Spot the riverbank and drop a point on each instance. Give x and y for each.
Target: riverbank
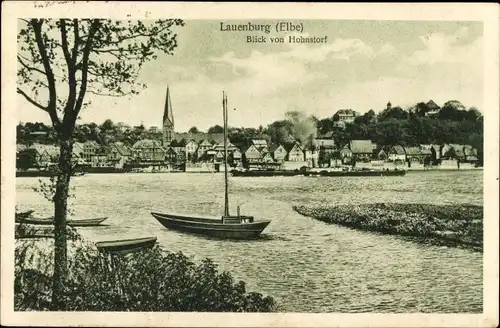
(448, 225)
(145, 281)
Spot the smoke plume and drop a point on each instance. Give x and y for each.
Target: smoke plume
(303, 128)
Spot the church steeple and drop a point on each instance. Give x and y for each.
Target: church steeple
(167, 113)
(168, 120)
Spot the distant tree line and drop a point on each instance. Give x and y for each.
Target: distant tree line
(451, 124)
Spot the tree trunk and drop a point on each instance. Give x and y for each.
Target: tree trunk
(60, 213)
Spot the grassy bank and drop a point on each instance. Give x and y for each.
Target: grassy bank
(149, 280)
(450, 225)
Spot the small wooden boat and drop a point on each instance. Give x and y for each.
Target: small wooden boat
(70, 222)
(228, 226)
(231, 227)
(126, 245)
(24, 215)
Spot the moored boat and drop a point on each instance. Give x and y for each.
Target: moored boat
(266, 173)
(231, 227)
(24, 215)
(126, 245)
(228, 226)
(363, 173)
(70, 222)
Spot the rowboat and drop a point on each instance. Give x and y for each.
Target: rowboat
(126, 245)
(71, 223)
(24, 215)
(228, 226)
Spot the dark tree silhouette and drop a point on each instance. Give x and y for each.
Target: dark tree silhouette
(60, 63)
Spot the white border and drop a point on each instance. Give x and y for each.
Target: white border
(488, 13)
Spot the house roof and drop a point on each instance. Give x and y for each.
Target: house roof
(361, 146)
(432, 105)
(122, 149)
(220, 146)
(91, 143)
(289, 146)
(252, 155)
(426, 151)
(328, 135)
(20, 147)
(469, 151)
(200, 136)
(146, 143)
(205, 143)
(346, 112)
(398, 149)
(259, 142)
(459, 149)
(50, 149)
(415, 151)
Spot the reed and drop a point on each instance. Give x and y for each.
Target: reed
(450, 225)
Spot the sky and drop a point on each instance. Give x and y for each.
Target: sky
(362, 66)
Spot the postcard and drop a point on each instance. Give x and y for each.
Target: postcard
(249, 164)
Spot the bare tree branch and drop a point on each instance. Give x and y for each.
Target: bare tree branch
(64, 39)
(51, 108)
(76, 36)
(86, 53)
(71, 71)
(31, 100)
(97, 93)
(29, 68)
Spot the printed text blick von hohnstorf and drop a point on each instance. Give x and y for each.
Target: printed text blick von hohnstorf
(259, 33)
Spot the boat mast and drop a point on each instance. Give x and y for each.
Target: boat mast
(226, 191)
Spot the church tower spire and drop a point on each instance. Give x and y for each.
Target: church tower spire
(168, 120)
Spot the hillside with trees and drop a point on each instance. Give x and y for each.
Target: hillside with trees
(452, 124)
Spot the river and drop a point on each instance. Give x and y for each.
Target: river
(307, 265)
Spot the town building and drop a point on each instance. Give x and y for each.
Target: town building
(433, 108)
(119, 154)
(361, 150)
(295, 153)
(345, 115)
(251, 156)
(397, 153)
(415, 154)
(148, 151)
(89, 149)
(278, 152)
(325, 141)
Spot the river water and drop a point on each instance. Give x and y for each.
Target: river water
(305, 264)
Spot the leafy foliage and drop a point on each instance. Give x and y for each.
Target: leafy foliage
(26, 159)
(149, 280)
(61, 61)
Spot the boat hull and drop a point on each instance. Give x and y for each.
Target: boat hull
(357, 173)
(211, 227)
(24, 215)
(71, 223)
(126, 245)
(264, 173)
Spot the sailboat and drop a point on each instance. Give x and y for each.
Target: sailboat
(228, 226)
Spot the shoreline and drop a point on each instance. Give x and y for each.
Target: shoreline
(457, 226)
(39, 174)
